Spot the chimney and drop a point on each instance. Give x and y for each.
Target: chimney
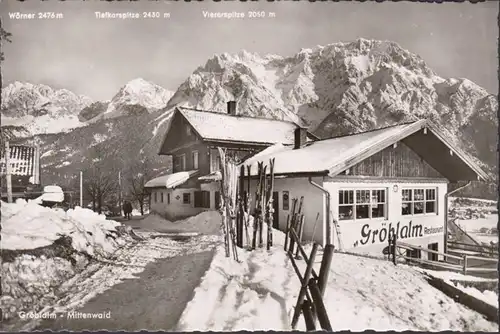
(300, 137)
(231, 108)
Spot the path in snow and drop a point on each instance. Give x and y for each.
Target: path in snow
(153, 301)
(149, 298)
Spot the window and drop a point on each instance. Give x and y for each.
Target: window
(202, 199)
(418, 201)
(362, 204)
(156, 197)
(195, 159)
(286, 200)
(188, 131)
(214, 161)
(168, 198)
(186, 198)
(161, 197)
(180, 162)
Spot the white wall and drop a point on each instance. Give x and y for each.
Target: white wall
(370, 235)
(314, 203)
(176, 209)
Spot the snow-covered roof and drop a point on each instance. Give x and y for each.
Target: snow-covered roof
(334, 155)
(21, 160)
(170, 180)
(216, 126)
(214, 176)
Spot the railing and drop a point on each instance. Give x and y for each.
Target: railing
(310, 300)
(462, 263)
(486, 250)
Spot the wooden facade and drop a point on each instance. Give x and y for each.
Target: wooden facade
(191, 152)
(394, 162)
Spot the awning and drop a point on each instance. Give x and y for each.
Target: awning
(215, 176)
(170, 180)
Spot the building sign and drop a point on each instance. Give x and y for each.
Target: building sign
(402, 230)
(368, 232)
(286, 200)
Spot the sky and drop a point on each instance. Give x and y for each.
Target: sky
(95, 57)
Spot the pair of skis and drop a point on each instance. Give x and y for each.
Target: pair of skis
(264, 206)
(228, 201)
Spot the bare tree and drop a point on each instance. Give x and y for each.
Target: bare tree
(4, 36)
(99, 186)
(137, 177)
(99, 182)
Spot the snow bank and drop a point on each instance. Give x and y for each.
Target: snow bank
(207, 222)
(43, 247)
(260, 294)
(27, 225)
(459, 281)
(486, 296)
(453, 276)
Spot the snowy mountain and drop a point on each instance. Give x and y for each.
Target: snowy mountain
(335, 89)
(346, 87)
(43, 110)
(40, 108)
(136, 97)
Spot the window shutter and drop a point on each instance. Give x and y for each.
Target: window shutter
(206, 199)
(195, 159)
(217, 200)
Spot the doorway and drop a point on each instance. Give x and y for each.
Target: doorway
(276, 208)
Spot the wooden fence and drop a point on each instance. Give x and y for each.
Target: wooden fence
(463, 264)
(310, 300)
(487, 251)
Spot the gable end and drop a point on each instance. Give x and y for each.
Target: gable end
(394, 162)
(179, 134)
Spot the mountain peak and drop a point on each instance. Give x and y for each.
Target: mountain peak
(137, 96)
(40, 108)
(139, 82)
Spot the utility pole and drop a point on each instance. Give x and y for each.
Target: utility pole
(120, 190)
(8, 176)
(81, 189)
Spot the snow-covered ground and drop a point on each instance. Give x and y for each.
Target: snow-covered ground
(260, 293)
(35, 281)
(43, 247)
(453, 278)
(487, 296)
(136, 212)
(474, 225)
(207, 222)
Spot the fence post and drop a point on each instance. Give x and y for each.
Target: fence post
(319, 305)
(324, 270)
(8, 176)
(389, 247)
(305, 282)
(394, 240)
(308, 316)
(465, 264)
